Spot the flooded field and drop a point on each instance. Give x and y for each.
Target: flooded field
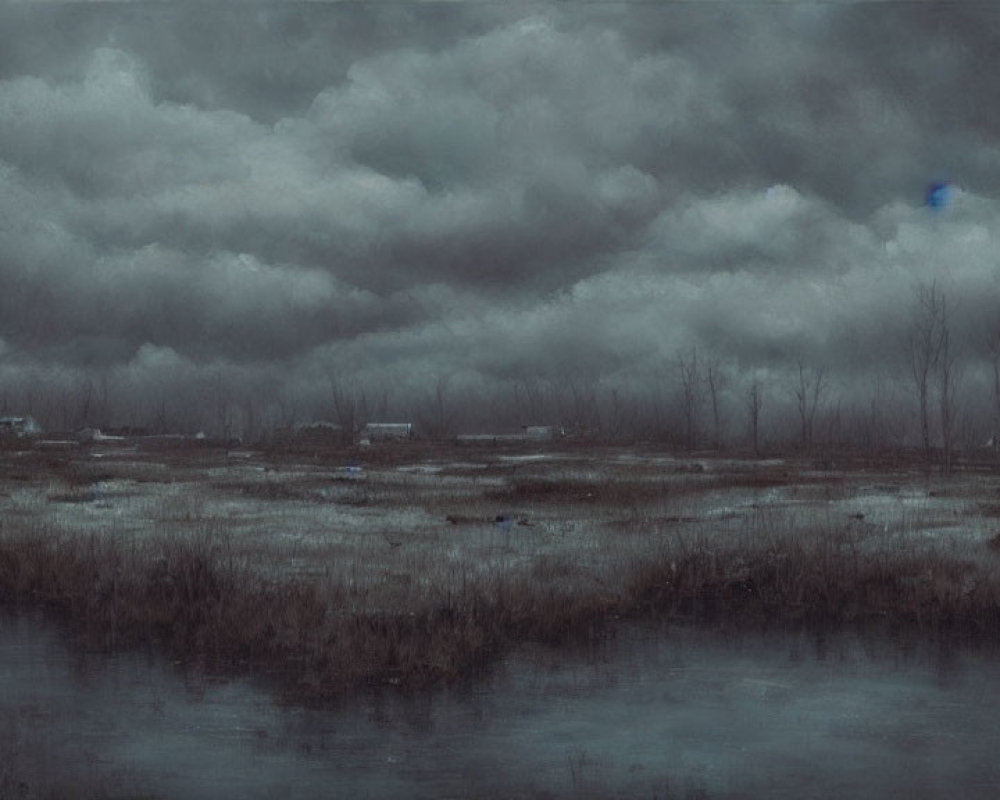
(473, 509)
(454, 622)
(654, 713)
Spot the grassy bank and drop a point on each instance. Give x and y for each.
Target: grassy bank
(315, 637)
(822, 579)
(202, 603)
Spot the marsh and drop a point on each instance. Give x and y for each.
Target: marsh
(699, 601)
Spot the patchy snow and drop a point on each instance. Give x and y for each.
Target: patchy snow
(356, 520)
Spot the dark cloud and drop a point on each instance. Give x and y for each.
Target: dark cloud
(404, 191)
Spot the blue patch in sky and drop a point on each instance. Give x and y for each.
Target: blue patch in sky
(938, 195)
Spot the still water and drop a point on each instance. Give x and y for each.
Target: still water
(654, 713)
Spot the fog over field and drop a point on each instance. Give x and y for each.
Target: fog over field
(486, 215)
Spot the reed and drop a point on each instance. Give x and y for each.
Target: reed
(320, 636)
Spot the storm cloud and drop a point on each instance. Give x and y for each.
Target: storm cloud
(410, 194)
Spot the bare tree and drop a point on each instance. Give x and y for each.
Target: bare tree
(808, 394)
(874, 427)
(29, 398)
(438, 419)
(948, 389)
(101, 410)
(531, 402)
(691, 394)
(753, 401)
(374, 405)
(656, 403)
(285, 411)
(924, 346)
(993, 345)
(716, 380)
(584, 408)
(84, 400)
(223, 407)
(350, 406)
(612, 426)
(161, 424)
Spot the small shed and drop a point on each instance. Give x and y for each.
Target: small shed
(18, 427)
(88, 435)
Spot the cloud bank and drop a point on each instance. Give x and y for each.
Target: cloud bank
(274, 196)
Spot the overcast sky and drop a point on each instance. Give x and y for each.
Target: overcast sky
(490, 190)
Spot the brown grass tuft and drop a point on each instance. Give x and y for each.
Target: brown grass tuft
(319, 638)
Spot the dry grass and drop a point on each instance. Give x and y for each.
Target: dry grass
(324, 613)
(824, 579)
(320, 638)
(315, 638)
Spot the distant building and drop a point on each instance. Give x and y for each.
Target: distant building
(529, 433)
(387, 431)
(88, 435)
(18, 427)
(481, 438)
(542, 431)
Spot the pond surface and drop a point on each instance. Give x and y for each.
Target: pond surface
(653, 713)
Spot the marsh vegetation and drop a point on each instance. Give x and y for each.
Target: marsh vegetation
(425, 567)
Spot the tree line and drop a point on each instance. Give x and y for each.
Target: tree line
(942, 395)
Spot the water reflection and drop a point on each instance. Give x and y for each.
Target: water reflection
(653, 713)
